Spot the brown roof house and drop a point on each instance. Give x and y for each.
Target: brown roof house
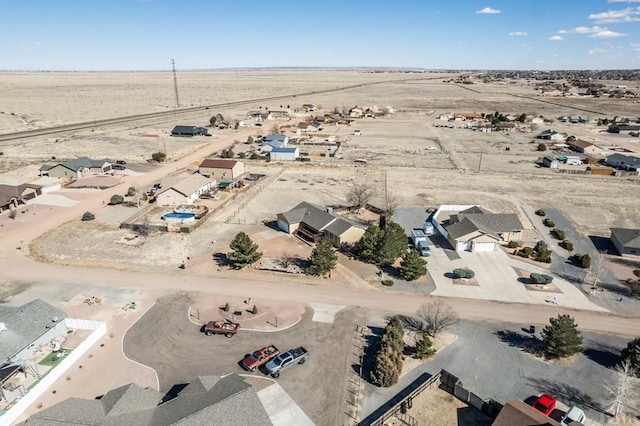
(312, 223)
(227, 400)
(475, 229)
(626, 240)
(185, 191)
(13, 195)
(584, 147)
(221, 169)
(518, 413)
(76, 168)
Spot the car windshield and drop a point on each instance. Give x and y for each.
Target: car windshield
(541, 406)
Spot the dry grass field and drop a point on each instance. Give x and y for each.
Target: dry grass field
(460, 167)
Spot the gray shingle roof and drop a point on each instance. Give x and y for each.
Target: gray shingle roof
(462, 228)
(488, 223)
(628, 237)
(339, 226)
(25, 324)
(313, 216)
(225, 400)
(82, 162)
(8, 192)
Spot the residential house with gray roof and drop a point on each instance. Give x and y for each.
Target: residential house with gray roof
(185, 191)
(626, 240)
(313, 222)
(13, 195)
(208, 400)
(76, 168)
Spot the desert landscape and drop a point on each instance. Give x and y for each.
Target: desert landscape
(402, 149)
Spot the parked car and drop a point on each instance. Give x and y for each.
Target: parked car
(283, 361)
(122, 162)
(226, 327)
(574, 414)
(260, 357)
(118, 167)
(545, 403)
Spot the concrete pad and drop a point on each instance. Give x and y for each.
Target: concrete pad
(282, 410)
(270, 234)
(325, 313)
(53, 200)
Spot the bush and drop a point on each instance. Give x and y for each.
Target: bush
(424, 348)
(542, 147)
(567, 245)
(87, 216)
(540, 247)
(131, 191)
(1, 153)
(158, 157)
(527, 251)
(254, 156)
(557, 233)
(242, 155)
(540, 212)
(254, 310)
(521, 253)
(512, 244)
(548, 223)
(463, 273)
(226, 307)
(582, 260)
(388, 283)
(541, 278)
(116, 199)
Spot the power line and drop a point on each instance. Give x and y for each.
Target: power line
(175, 83)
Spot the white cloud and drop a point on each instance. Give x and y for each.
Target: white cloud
(596, 50)
(623, 16)
(583, 30)
(488, 10)
(624, 1)
(635, 46)
(607, 34)
(518, 33)
(556, 38)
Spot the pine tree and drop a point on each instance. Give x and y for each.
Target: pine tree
(245, 252)
(412, 266)
(561, 338)
(632, 353)
(387, 364)
(424, 348)
(323, 258)
(367, 247)
(392, 244)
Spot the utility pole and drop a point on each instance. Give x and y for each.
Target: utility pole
(480, 162)
(175, 83)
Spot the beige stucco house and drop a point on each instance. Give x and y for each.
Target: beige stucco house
(76, 168)
(13, 195)
(186, 191)
(221, 169)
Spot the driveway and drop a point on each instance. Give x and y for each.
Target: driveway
(165, 340)
(489, 360)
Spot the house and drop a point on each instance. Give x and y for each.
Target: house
(189, 131)
(221, 169)
(505, 127)
(309, 107)
(23, 329)
(626, 240)
(583, 147)
(551, 162)
(356, 112)
(185, 191)
(207, 400)
(519, 413)
(276, 141)
(623, 162)
(312, 223)
(13, 195)
(279, 114)
(76, 168)
(284, 154)
(552, 135)
(473, 228)
(464, 116)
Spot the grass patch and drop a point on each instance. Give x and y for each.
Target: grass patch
(54, 358)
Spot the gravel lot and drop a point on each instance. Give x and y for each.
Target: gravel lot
(167, 341)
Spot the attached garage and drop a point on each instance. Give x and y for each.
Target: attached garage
(483, 246)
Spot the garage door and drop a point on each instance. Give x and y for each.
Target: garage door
(484, 247)
(463, 245)
(282, 225)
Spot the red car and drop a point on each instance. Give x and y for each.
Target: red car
(545, 403)
(260, 357)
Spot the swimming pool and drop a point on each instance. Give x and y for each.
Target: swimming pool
(178, 215)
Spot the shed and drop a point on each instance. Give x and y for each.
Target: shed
(284, 154)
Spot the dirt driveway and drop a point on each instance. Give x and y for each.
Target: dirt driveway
(166, 340)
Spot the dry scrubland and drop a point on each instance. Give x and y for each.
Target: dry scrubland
(396, 144)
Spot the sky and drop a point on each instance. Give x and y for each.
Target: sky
(111, 35)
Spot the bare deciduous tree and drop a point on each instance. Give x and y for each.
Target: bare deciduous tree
(359, 194)
(436, 317)
(598, 266)
(391, 204)
(623, 387)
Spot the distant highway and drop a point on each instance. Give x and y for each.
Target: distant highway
(45, 131)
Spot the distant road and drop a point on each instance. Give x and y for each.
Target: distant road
(181, 111)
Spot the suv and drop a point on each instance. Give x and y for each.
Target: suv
(545, 403)
(574, 414)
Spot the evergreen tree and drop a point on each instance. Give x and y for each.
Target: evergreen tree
(392, 244)
(387, 364)
(412, 266)
(323, 258)
(367, 247)
(424, 348)
(561, 338)
(245, 252)
(632, 353)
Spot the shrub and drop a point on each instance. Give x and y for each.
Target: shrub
(548, 223)
(158, 157)
(226, 307)
(527, 251)
(540, 212)
(254, 310)
(541, 278)
(131, 191)
(424, 348)
(512, 244)
(116, 199)
(521, 253)
(558, 233)
(463, 273)
(242, 155)
(582, 260)
(542, 147)
(88, 216)
(1, 153)
(388, 283)
(567, 245)
(254, 156)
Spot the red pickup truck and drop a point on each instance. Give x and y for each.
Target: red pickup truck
(227, 328)
(260, 357)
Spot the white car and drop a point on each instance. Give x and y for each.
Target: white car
(432, 148)
(574, 414)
